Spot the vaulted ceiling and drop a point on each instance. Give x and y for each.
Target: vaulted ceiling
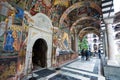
(70, 15)
(73, 16)
(82, 17)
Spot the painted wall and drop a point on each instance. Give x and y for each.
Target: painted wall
(12, 36)
(17, 38)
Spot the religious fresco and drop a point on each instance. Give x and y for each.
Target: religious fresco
(18, 10)
(8, 68)
(19, 3)
(13, 36)
(45, 6)
(10, 51)
(60, 38)
(14, 22)
(65, 39)
(54, 17)
(8, 46)
(38, 6)
(13, 32)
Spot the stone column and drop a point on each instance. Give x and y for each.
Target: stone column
(76, 42)
(105, 42)
(112, 49)
(69, 42)
(72, 42)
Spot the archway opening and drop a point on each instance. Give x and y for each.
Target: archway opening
(39, 53)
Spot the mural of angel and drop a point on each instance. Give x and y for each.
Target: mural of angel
(9, 42)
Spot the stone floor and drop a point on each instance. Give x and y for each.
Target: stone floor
(75, 70)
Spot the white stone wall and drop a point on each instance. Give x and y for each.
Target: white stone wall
(37, 31)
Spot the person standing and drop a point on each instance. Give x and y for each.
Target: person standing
(99, 54)
(87, 54)
(82, 54)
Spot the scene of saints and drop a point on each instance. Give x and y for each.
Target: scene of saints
(38, 6)
(13, 38)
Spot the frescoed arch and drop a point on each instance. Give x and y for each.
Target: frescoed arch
(77, 5)
(85, 18)
(88, 28)
(82, 33)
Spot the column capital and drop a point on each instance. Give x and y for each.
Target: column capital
(109, 20)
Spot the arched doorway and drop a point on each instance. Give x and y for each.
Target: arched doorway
(39, 53)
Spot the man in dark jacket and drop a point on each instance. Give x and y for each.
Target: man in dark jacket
(99, 54)
(82, 54)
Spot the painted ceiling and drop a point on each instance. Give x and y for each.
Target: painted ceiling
(81, 16)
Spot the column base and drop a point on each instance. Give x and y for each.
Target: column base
(113, 63)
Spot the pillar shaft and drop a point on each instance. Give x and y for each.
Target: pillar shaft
(112, 47)
(111, 42)
(76, 42)
(72, 43)
(106, 43)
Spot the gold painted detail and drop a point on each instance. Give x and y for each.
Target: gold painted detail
(19, 28)
(9, 71)
(62, 2)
